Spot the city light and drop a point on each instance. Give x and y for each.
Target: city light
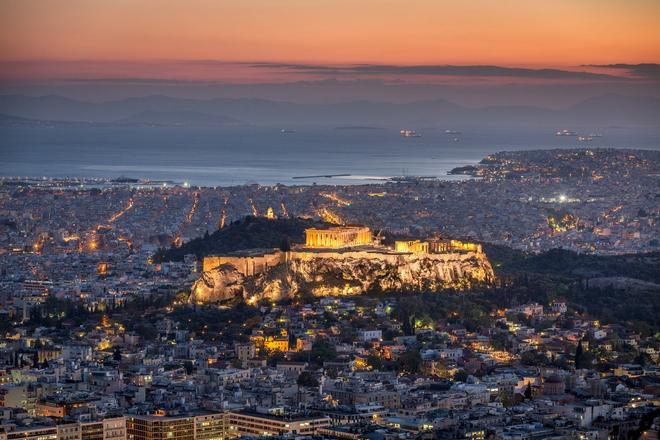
(329, 220)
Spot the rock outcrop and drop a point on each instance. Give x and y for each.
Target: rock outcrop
(219, 284)
(410, 272)
(347, 273)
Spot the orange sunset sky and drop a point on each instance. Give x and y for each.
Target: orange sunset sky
(39, 37)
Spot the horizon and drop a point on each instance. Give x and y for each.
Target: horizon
(467, 85)
(231, 81)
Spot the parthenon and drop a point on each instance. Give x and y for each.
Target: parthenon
(338, 237)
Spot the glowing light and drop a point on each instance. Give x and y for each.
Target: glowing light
(118, 214)
(223, 218)
(253, 207)
(340, 201)
(330, 216)
(223, 214)
(193, 208)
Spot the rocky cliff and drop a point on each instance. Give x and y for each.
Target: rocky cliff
(219, 284)
(346, 273)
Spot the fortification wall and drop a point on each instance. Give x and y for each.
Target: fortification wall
(247, 265)
(388, 257)
(349, 272)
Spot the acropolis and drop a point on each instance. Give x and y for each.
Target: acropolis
(349, 251)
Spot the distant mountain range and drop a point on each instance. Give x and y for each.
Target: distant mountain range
(183, 118)
(164, 110)
(146, 118)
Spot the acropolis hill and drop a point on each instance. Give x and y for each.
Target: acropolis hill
(342, 260)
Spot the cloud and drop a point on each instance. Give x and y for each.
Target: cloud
(644, 70)
(437, 70)
(211, 71)
(132, 80)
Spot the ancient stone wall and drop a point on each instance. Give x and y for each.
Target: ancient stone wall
(247, 265)
(350, 272)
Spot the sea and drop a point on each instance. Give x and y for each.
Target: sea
(228, 156)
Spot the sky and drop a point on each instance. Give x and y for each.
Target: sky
(143, 46)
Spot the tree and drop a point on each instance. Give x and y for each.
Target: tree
(375, 362)
(35, 360)
(506, 399)
(146, 331)
(528, 391)
(285, 244)
(275, 357)
(579, 356)
(499, 340)
(293, 341)
(461, 376)
(643, 359)
(307, 379)
(116, 355)
(532, 357)
(409, 325)
(322, 351)
(410, 361)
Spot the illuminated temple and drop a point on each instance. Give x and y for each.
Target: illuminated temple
(338, 237)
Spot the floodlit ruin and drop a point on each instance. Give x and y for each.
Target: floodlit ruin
(344, 260)
(338, 237)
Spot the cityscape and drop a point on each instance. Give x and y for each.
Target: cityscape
(204, 235)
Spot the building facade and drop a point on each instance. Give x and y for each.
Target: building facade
(256, 424)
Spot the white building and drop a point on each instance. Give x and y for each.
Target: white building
(369, 335)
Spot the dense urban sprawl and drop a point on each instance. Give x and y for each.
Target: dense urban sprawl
(99, 341)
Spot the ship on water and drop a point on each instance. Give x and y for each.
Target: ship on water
(565, 132)
(287, 131)
(453, 132)
(585, 138)
(124, 179)
(409, 133)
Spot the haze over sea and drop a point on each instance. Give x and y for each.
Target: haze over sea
(258, 154)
